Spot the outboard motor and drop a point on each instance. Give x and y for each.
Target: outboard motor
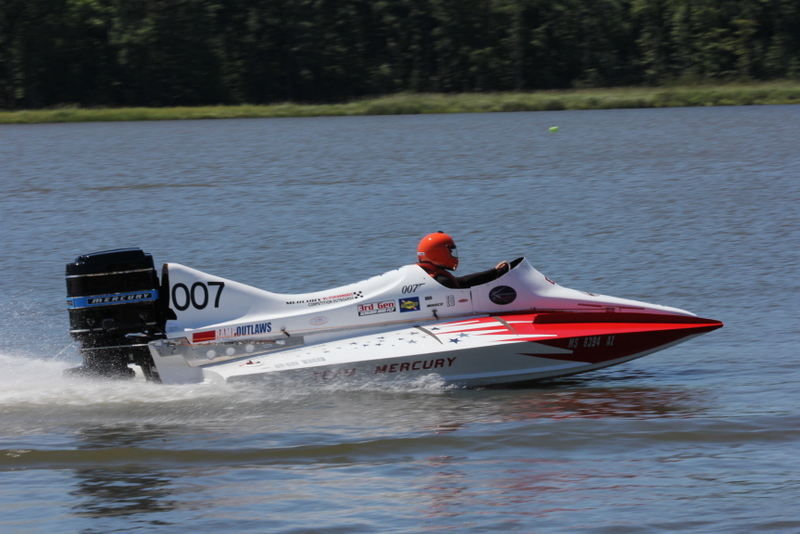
(115, 309)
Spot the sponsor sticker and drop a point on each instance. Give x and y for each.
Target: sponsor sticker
(409, 304)
(502, 295)
(374, 308)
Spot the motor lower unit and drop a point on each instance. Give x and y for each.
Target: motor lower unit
(115, 308)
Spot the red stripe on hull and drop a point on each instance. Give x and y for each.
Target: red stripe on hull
(609, 344)
(593, 324)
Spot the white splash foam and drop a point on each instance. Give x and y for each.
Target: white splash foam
(29, 381)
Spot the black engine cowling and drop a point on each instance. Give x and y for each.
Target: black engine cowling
(115, 309)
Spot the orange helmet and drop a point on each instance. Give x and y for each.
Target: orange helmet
(438, 249)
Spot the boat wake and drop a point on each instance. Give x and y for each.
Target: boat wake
(27, 381)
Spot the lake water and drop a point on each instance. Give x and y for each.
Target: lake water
(693, 208)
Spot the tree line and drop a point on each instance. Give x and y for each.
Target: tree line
(201, 52)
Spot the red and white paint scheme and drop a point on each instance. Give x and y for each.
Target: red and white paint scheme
(403, 325)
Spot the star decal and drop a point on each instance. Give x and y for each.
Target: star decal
(455, 340)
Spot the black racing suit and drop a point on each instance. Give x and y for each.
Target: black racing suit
(447, 279)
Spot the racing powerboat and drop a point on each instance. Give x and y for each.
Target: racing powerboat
(403, 325)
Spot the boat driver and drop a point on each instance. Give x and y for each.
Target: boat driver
(437, 254)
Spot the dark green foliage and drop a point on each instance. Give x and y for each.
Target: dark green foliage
(199, 52)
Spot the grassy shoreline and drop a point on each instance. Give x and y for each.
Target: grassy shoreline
(403, 104)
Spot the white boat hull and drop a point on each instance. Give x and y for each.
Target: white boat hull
(402, 326)
(473, 352)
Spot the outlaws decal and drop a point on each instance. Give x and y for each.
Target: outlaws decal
(232, 331)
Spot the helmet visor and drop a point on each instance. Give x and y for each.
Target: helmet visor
(453, 251)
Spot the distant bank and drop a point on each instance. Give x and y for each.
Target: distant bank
(405, 104)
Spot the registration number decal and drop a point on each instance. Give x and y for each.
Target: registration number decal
(590, 342)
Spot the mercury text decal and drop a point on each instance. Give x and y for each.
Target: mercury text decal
(120, 298)
(332, 299)
(419, 365)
